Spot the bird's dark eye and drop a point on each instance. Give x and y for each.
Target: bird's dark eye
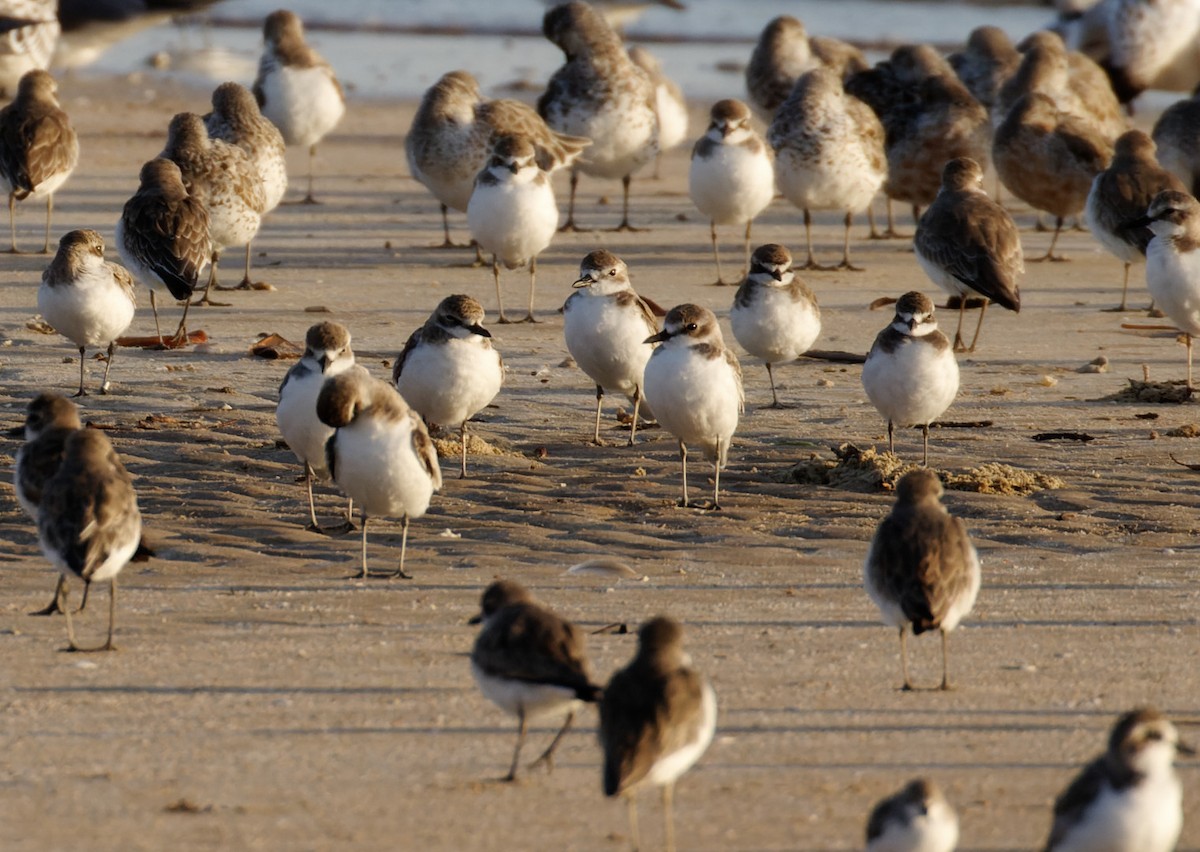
(1154, 735)
(691, 326)
(612, 272)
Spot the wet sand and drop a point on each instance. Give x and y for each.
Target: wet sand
(262, 700)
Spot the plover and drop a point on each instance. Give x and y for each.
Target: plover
(1173, 262)
(694, 385)
(29, 32)
(922, 570)
(453, 131)
(605, 324)
(89, 525)
(669, 104)
(235, 119)
(512, 213)
(784, 51)
(1121, 193)
(296, 88)
(917, 819)
(327, 353)
(162, 237)
(380, 453)
(1177, 135)
(967, 243)
(910, 374)
(829, 152)
(731, 178)
(38, 147)
(530, 663)
(986, 63)
(657, 718)
(224, 177)
(49, 420)
(88, 300)
(775, 315)
(1049, 159)
(602, 95)
(449, 371)
(1128, 799)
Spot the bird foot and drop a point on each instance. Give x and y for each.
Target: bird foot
(1119, 309)
(79, 393)
(450, 244)
(531, 318)
(812, 265)
(849, 267)
(625, 226)
(702, 505)
(503, 320)
(1155, 313)
(776, 406)
(889, 234)
(1053, 258)
(75, 649)
(244, 284)
(547, 758)
(209, 303)
(570, 227)
(49, 609)
(337, 529)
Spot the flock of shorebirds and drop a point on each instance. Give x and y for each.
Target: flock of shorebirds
(919, 127)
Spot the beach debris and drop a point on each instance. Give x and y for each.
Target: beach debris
(38, 324)
(1174, 392)
(152, 341)
(1081, 437)
(604, 566)
(1187, 430)
(276, 347)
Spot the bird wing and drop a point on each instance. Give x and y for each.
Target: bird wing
(982, 251)
(1073, 802)
(426, 452)
(554, 150)
(413, 340)
(50, 147)
(527, 643)
(124, 280)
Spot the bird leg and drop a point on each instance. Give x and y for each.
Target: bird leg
(58, 604)
(746, 247)
(312, 156)
(891, 437)
(634, 835)
(712, 229)
(596, 437)
(1124, 293)
(364, 573)
(180, 337)
(846, 264)
(925, 445)
(959, 346)
(512, 770)
(112, 618)
(978, 325)
(12, 221)
(717, 476)
(499, 301)
(570, 225)
(245, 283)
(668, 796)
(532, 282)
(403, 547)
(112, 349)
(890, 233)
(212, 282)
(683, 462)
(637, 404)
(547, 757)
(811, 263)
(775, 403)
(1190, 386)
(312, 507)
(625, 226)
(1050, 255)
(446, 241)
(945, 666)
(904, 660)
(81, 391)
(462, 434)
(49, 210)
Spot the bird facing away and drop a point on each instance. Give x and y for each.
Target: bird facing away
(162, 237)
(296, 88)
(1121, 193)
(731, 178)
(986, 64)
(512, 213)
(1173, 262)
(775, 315)
(605, 324)
(88, 300)
(1150, 44)
(1049, 159)
(29, 31)
(916, 819)
(968, 244)
(236, 120)
(449, 371)
(922, 570)
(38, 147)
(380, 453)
(657, 717)
(327, 353)
(1177, 135)
(602, 95)
(910, 374)
(49, 420)
(89, 525)
(693, 382)
(452, 135)
(829, 153)
(1128, 799)
(530, 663)
(670, 105)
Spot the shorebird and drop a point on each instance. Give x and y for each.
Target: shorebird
(89, 525)
(621, 13)
(235, 119)
(380, 453)
(829, 152)
(922, 570)
(917, 819)
(1128, 799)
(296, 89)
(910, 374)
(1177, 135)
(605, 324)
(1049, 159)
(1122, 193)
(1147, 44)
(327, 353)
(657, 718)
(602, 95)
(453, 131)
(694, 385)
(88, 300)
(222, 176)
(967, 243)
(38, 147)
(530, 663)
(162, 237)
(29, 31)
(1173, 262)
(785, 51)
(731, 179)
(669, 104)
(449, 371)
(775, 315)
(987, 62)
(512, 213)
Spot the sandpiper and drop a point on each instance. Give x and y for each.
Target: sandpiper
(657, 718)
(1173, 262)
(922, 570)
(1177, 135)
(530, 663)
(917, 819)
(669, 104)
(986, 64)
(1150, 44)
(29, 33)
(449, 371)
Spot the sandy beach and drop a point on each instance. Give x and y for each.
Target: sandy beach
(263, 700)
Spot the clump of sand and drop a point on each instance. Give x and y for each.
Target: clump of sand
(996, 478)
(1175, 391)
(451, 447)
